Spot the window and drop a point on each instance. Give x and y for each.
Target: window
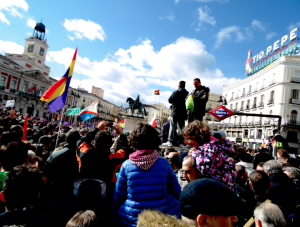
(250, 87)
(252, 134)
(30, 48)
(230, 106)
(294, 116)
(25, 87)
(69, 101)
(41, 92)
(259, 134)
(232, 95)
(242, 106)
(272, 95)
(2, 81)
(254, 102)
(243, 91)
(246, 133)
(236, 106)
(42, 51)
(13, 84)
(295, 94)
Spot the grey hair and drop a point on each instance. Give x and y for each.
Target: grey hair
(269, 215)
(190, 157)
(272, 167)
(31, 156)
(295, 172)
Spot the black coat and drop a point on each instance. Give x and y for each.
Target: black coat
(284, 193)
(177, 99)
(201, 97)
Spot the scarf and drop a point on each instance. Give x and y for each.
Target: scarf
(144, 159)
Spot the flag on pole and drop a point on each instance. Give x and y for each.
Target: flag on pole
(89, 112)
(58, 117)
(153, 122)
(32, 89)
(157, 92)
(56, 95)
(264, 144)
(122, 123)
(37, 92)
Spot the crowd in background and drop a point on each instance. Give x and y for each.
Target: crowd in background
(94, 176)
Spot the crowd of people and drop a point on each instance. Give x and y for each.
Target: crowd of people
(92, 176)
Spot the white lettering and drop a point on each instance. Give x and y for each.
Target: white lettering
(292, 34)
(276, 45)
(261, 55)
(268, 50)
(254, 59)
(283, 39)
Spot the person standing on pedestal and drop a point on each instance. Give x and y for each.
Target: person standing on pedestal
(200, 96)
(178, 114)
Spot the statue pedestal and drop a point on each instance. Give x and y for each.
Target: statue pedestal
(132, 122)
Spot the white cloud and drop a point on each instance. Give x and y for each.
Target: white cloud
(293, 26)
(141, 69)
(229, 33)
(31, 22)
(10, 47)
(87, 29)
(170, 17)
(257, 25)
(204, 16)
(12, 7)
(271, 35)
(71, 37)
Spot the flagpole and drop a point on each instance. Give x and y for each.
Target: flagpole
(61, 117)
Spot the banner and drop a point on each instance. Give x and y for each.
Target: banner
(73, 111)
(10, 103)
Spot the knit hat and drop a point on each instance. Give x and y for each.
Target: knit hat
(207, 196)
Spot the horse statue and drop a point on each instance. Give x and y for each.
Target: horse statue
(136, 105)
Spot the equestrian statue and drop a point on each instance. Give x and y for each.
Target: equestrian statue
(136, 105)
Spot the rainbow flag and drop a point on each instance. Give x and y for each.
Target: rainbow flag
(264, 144)
(37, 91)
(122, 123)
(56, 95)
(157, 92)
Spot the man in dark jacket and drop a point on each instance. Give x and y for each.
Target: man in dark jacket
(200, 96)
(165, 131)
(178, 114)
(283, 191)
(61, 171)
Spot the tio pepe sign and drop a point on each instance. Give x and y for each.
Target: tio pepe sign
(221, 112)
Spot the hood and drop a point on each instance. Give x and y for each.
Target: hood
(150, 218)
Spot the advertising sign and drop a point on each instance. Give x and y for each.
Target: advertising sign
(10, 103)
(287, 45)
(73, 111)
(221, 112)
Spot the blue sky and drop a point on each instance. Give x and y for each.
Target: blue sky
(137, 46)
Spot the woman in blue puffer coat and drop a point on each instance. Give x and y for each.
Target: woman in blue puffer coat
(145, 181)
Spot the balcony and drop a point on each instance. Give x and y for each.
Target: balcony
(29, 95)
(267, 122)
(272, 82)
(255, 90)
(258, 137)
(249, 92)
(250, 124)
(242, 109)
(2, 87)
(295, 101)
(231, 99)
(270, 101)
(247, 107)
(243, 94)
(12, 90)
(292, 122)
(236, 97)
(296, 79)
(261, 104)
(244, 123)
(262, 87)
(253, 106)
(257, 123)
(252, 137)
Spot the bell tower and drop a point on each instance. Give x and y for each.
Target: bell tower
(36, 46)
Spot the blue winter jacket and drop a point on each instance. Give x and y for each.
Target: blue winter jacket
(137, 190)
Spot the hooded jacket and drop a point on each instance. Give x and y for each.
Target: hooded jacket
(137, 189)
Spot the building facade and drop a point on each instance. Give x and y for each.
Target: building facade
(273, 90)
(98, 91)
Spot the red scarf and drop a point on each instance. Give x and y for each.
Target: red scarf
(144, 159)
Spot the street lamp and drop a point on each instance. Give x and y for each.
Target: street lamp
(222, 99)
